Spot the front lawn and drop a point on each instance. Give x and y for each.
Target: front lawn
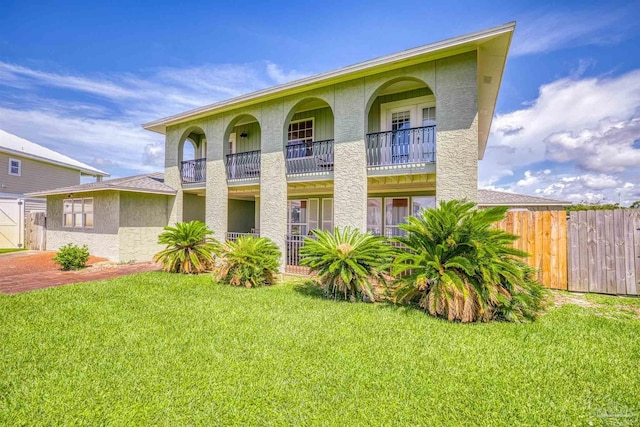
(162, 349)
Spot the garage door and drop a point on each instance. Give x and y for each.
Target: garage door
(10, 223)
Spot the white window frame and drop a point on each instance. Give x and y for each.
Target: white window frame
(384, 228)
(326, 224)
(83, 213)
(291, 224)
(371, 226)
(313, 129)
(414, 105)
(19, 162)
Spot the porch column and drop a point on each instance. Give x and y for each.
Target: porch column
(457, 134)
(172, 175)
(217, 197)
(350, 161)
(273, 178)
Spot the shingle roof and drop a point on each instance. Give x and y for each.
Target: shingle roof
(501, 198)
(13, 144)
(148, 183)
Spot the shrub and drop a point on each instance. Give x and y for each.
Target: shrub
(347, 261)
(249, 261)
(462, 268)
(189, 248)
(72, 257)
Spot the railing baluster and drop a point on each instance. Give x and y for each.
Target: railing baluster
(193, 171)
(309, 157)
(403, 146)
(243, 165)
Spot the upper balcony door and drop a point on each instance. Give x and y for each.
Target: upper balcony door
(406, 120)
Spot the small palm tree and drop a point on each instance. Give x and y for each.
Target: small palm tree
(249, 261)
(189, 248)
(347, 261)
(460, 267)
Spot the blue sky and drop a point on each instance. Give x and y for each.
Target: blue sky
(80, 78)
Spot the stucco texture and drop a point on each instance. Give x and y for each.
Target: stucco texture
(126, 225)
(452, 80)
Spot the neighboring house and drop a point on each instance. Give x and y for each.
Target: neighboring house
(362, 146)
(27, 167)
(490, 198)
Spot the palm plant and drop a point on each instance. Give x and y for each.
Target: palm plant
(347, 261)
(249, 261)
(189, 248)
(460, 267)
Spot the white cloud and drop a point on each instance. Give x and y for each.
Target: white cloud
(586, 128)
(98, 122)
(545, 32)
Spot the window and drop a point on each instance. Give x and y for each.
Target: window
(78, 213)
(327, 214)
(420, 203)
(15, 167)
(300, 137)
(374, 216)
(395, 211)
(297, 218)
(429, 116)
(300, 131)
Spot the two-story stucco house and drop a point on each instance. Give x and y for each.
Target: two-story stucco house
(27, 167)
(362, 146)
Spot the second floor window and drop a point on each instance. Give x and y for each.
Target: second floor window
(15, 167)
(300, 131)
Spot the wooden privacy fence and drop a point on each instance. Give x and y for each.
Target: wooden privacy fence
(35, 232)
(604, 251)
(543, 234)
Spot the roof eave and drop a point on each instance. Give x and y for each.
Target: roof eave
(91, 172)
(427, 52)
(59, 192)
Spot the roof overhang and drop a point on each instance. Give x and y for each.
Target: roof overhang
(85, 171)
(492, 46)
(60, 191)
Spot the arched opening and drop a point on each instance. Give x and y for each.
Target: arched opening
(242, 148)
(242, 159)
(401, 124)
(401, 141)
(308, 137)
(192, 151)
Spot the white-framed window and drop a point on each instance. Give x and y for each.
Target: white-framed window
(297, 218)
(15, 167)
(408, 113)
(396, 209)
(327, 214)
(374, 215)
(300, 131)
(78, 213)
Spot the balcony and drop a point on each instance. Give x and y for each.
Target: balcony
(309, 157)
(402, 147)
(243, 165)
(193, 171)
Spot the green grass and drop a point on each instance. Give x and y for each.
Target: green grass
(9, 250)
(161, 349)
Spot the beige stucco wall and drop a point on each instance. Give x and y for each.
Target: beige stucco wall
(102, 240)
(193, 207)
(126, 225)
(453, 81)
(35, 176)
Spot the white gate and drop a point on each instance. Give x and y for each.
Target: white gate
(11, 223)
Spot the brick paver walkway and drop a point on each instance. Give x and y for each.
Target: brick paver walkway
(11, 283)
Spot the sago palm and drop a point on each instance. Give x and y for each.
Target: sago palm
(190, 249)
(460, 267)
(249, 261)
(347, 261)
